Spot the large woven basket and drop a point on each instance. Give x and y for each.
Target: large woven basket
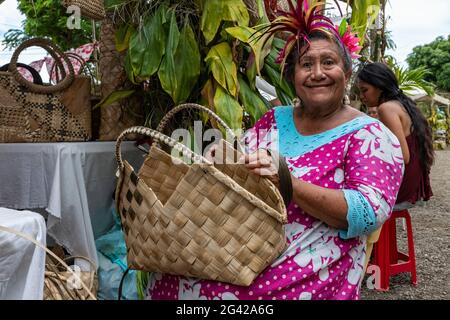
(93, 9)
(221, 223)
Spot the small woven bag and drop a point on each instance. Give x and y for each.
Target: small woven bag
(32, 112)
(218, 222)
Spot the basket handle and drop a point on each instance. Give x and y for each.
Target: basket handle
(55, 52)
(36, 76)
(60, 68)
(165, 120)
(158, 136)
(27, 237)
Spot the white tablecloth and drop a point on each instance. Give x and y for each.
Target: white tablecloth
(22, 263)
(74, 182)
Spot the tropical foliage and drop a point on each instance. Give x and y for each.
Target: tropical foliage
(434, 56)
(410, 80)
(206, 51)
(199, 51)
(364, 14)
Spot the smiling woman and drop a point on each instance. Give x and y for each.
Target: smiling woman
(345, 171)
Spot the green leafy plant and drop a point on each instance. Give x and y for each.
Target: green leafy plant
(364, 14)
(206, 51)
(197, 51)
(411, 79)
(434, 56)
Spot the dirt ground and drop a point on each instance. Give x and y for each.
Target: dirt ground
(431, 229)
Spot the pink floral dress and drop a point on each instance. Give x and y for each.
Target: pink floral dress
(361, 157)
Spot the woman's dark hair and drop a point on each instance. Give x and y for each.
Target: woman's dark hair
(380, 76)
(299, 51)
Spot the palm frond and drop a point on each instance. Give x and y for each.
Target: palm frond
(413, 79)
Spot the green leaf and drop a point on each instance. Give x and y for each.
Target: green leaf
(167, 72)
(228, 108)
(147, 45)
(274, 78)
(250, 71)
(188, 55)
(236, 10)
(187, 67)
(129, 69)
(261, 48)
(216, 11)
(285, 99)
(122, 37)
(262, 12)
(251, 101)
(364, 14)
(220, 63)
(343, 27)
(142, 279)
(114, 97)
(211, 19)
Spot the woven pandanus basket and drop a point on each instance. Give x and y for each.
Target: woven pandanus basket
(221, 222)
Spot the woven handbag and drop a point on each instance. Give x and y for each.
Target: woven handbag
(31, 112)
(222, 223)
(93, 9)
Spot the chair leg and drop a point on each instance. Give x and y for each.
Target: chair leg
(382, 257)
(393, 250)
(411, 253)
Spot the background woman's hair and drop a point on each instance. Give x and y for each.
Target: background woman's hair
(380, 76)
(298, 51)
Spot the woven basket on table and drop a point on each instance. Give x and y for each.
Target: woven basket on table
(93, 9)
(198, 220)
(32, 112)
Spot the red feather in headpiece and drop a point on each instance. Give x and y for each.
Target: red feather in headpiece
(300, 21)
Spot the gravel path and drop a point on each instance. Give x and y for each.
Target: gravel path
(431, 229)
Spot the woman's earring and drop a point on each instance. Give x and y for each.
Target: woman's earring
(297, 102)
(346, 100)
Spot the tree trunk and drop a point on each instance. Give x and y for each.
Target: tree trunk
(120, 115)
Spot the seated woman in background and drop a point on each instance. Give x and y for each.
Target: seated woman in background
(379, 87)
(345, 171)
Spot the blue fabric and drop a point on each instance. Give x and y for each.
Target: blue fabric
(295, 144)
(360, 215)
(112, 258)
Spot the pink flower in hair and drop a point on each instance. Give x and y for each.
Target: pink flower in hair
(351, 41)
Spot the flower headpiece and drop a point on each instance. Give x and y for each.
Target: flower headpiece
(303, 20)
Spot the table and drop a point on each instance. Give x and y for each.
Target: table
(74, 182)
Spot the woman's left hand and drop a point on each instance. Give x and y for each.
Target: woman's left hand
(262, 163)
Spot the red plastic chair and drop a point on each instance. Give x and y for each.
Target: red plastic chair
(386, 255)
